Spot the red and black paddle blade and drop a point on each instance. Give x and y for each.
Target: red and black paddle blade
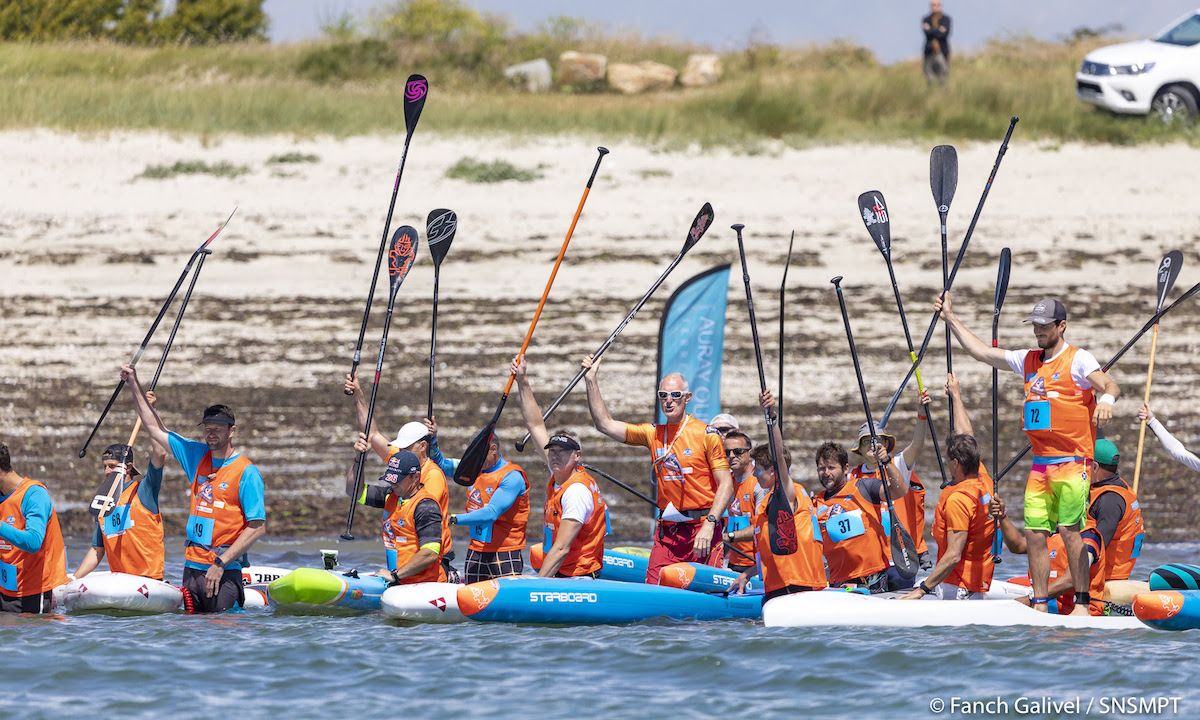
(439, 233)
(415, 91)
(471, 463)
(875, 216)
(943, 176)
(1168, 270)
(781, 524)
(699, 226)
(402, 254)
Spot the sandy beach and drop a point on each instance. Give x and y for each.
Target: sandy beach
(88, 249)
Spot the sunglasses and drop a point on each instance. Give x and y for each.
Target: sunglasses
(737, 452)
(674, 395)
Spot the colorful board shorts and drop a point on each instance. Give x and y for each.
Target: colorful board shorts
(1057, 495)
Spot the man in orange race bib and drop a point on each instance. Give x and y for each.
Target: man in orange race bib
(1061, 414)
(694, 482)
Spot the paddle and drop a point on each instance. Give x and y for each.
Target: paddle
(645, 498)
(873, 209)
(781, 523)
(415, 91)
(943, 181)
(400, 260)
(782, 305)
(439, 233)
(471, 463)
(962, 251)
(1113, 361)
(699, 226)
(153, 326)
(103, 502)
(1001, 290)
(904, 551)
(1168, 270)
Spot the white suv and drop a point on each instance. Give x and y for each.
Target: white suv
(1160, 76)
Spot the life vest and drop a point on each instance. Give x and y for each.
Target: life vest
(854, 533)
(974, 570)
(586, 555)
(1058, 415)
(21, 573)
(434, 482)
(508, 530)
(741, 516)
(910, 508)
(805, 567)
(680, 458)
(216, 517)
(133, 536)
(1126, 544)
(399, 534)
(1060, 565)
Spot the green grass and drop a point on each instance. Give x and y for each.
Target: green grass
(292, 158)
(835, 93)
(193, 167)
(476, 171)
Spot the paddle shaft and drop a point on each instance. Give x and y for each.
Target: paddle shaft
(604, 347)
(949, 345)
(1137, 467)
(437, 271)
(997, 538)
(962, 251)
(782, 307)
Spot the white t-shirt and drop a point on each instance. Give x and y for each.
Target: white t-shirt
(577, 504)
(1083, 365)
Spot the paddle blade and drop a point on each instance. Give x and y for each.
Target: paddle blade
(217, 231)
(415, 91)
(700, 225)
(439, 233)
(943, 176)
(1168, 270)
(102, 502)
(1002, 278)
(875, 216)
(904, 551)
(781, 524)
(402, 254)
(474, 456)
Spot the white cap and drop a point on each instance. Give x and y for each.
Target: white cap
(410, 433)
(724, 420)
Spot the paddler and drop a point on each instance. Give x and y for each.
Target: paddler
(228, 502)
(803, 570)
(724, 423)
(575, 515)
(748, 493)
(417, 437)
(1061, 415)
(693, 478)
(962, 526)
(851, 513)
(1174, 448)
(412, 525)
(33, 559)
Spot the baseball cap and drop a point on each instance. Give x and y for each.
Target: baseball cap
(889, 440)
(724, 420)
(1106, 452)
(564, 441)
(217, 415)
(1049, 310)
(119, 452)
(410, 433)
(400, 466)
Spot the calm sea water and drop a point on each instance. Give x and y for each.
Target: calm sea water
(259, 664)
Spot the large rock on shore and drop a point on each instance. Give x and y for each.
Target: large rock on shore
(534, 76)
(645, 76)
(581, 69)
(701, 70)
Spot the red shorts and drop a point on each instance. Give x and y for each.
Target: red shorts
(673, 542)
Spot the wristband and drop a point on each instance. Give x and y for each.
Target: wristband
(1107, 399)
(218, 562)
(922, 588)
(1083, 598)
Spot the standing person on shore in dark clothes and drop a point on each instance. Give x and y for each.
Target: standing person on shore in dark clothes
(937, 44)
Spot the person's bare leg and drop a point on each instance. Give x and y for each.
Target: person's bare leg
(1077, 559)
(1039, 563)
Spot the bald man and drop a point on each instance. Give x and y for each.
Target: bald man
(694, 482)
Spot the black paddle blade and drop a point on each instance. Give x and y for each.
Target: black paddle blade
(474, 456)
(402, 254)
(943, 176)
(103, 502)
(439, 233)
(904, 551)
(415, 91)
(1168, 270)
(875, 216)
(700, 225)
(1002, 273)
(781, 524)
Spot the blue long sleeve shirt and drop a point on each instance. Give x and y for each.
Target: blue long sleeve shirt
(512, 486)
(36, 508)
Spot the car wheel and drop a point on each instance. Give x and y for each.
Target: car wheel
(1174, 104)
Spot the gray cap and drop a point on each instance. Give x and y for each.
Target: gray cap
(1049, 310)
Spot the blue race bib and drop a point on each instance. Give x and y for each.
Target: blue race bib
(844, 526)
(1137, 545)
(482, 533)
(8, 578)
(547, 539)
(1037, 414)
(737, 522)
(200, 530)
(117, 521)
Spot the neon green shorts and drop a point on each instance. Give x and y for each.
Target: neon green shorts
(1056, 495)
